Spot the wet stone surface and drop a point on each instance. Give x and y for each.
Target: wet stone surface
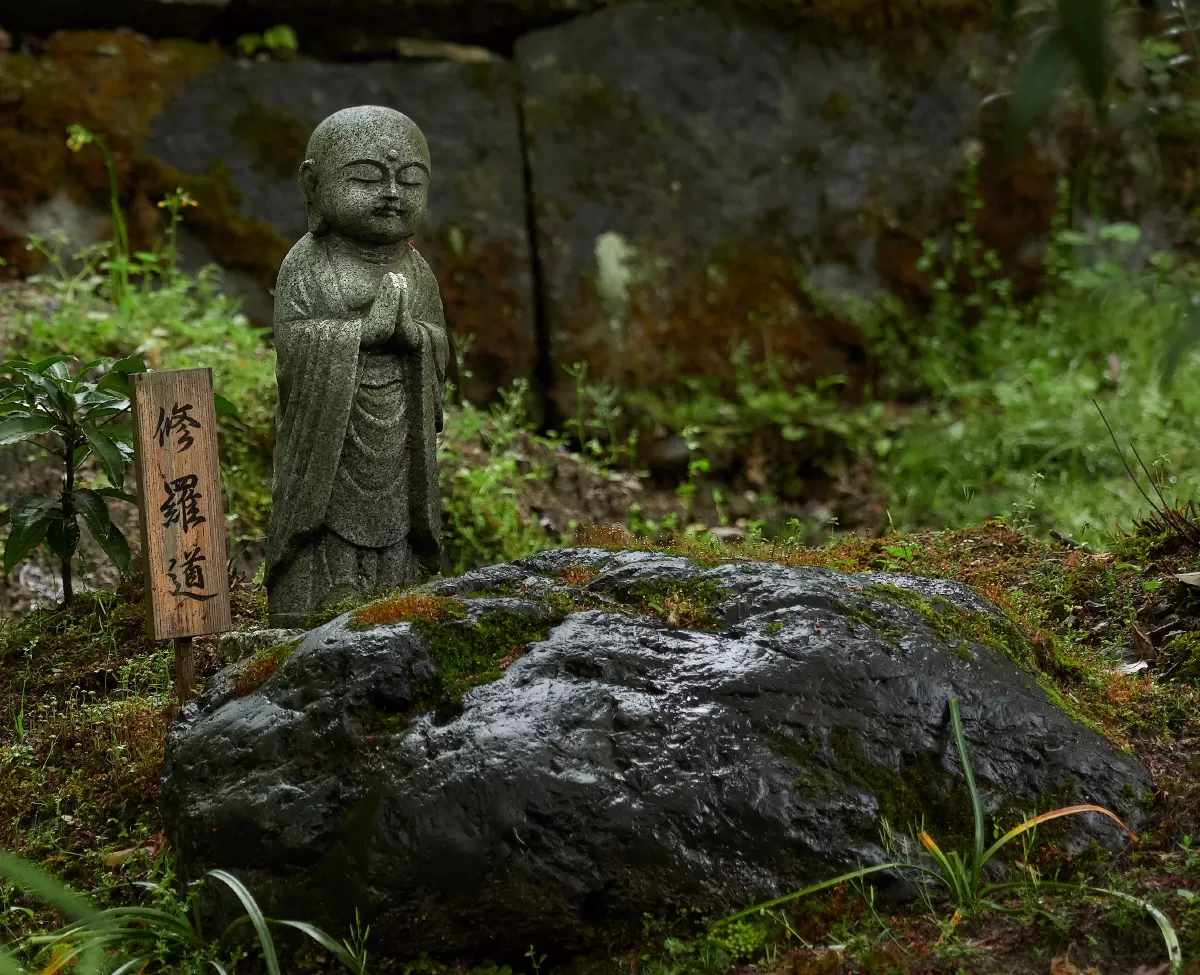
(613, 764)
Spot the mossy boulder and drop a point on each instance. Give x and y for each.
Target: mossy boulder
(544, 751)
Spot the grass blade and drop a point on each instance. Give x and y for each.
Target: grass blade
(1054, 814)
(1165, 928)
(255, 915)
(9, 964)
(840, 879)
(131, 966)
(53, 892)
(952, 879)
(325, 941)
(960, 741)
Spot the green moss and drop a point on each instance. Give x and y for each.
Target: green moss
(1180, 659)
(682, 603)
(376, 721)
(951, 621)
(276, 139)
(261, 666)
(837, 106)
(862, 616)
(492, 592)
(333, 611)
(467, 653)
(813, 778)
(962, 652)
(918, 791)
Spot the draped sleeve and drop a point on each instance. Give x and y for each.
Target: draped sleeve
(427, 378)
(318, 366)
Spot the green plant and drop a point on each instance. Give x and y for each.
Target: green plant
(960, 876)
(482, 522)
(71, 418)
(274, 40)
(536, 961)
(174, 203)
(118, 264)
(125, 940)
(1003, 389)
(175, 321)
(1076, 43)
(697, 465)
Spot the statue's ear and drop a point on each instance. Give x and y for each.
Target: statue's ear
(317, 224)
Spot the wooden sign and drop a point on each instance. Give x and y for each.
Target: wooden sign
(179, 494)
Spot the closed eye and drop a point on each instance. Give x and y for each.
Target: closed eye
(363, 171)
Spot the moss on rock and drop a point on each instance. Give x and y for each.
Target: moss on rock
(113, 83)
(260, 668)
(680, 603)
(408, 607)
(467, 653)
(917, 791)
(958, 624)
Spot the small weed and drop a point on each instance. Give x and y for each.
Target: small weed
(576, 575)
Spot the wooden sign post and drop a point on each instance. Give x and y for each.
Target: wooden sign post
(182, 516)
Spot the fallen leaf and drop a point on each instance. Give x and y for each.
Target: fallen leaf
(1064, 966)
(1143, 645)
(1074, 560)
(1189, 578)
(117, 857)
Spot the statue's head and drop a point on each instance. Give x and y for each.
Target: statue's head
(366, 175)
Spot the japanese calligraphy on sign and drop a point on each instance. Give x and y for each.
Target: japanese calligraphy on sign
(183, 520)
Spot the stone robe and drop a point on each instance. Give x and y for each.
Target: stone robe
(355, 502)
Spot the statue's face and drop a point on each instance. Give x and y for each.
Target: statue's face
(371, 189)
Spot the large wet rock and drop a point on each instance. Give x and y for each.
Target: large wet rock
(243, 127)
(685, 164)
(637, 734)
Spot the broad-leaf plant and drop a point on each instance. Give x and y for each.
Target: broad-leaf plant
(74, 417)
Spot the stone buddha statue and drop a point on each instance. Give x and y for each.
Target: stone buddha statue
(362, 352)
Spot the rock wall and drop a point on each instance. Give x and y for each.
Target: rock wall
(640, 187)
(685, 169)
